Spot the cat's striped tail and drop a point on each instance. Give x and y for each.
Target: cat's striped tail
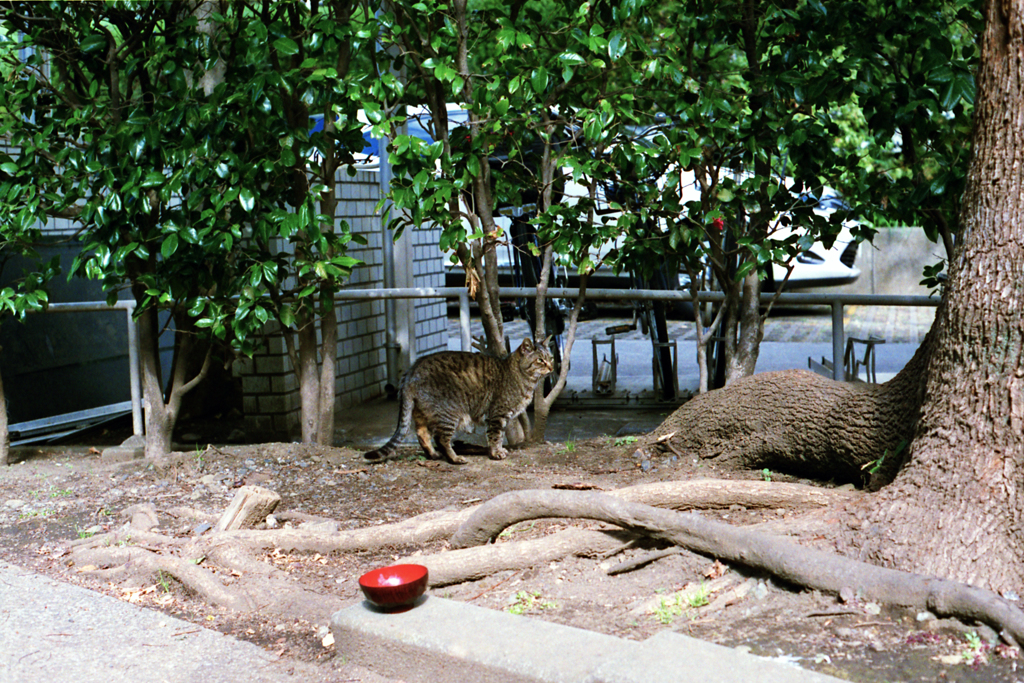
(404, 424)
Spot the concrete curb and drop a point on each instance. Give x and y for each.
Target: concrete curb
(445, 640)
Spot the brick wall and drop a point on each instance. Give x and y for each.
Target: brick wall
(270, 390)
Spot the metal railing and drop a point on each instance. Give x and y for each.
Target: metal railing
(837, 302)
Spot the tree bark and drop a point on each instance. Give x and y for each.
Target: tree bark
(309, 376)
(955, 510)
(749, 547)
(800, 422)
(5, 436)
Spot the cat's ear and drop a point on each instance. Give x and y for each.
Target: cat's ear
(526, 346)
(547, 341)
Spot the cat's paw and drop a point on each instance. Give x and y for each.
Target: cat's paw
(498, 454)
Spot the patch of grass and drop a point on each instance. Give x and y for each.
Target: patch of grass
(45, 512)
(671, 608)
(624, 441)
(516, 527)
(527, 601)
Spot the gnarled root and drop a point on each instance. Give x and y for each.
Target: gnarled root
(792, 563)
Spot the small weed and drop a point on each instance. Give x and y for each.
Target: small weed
(45, 512)
(874, 466)
(57, 493)
(671, 608)
(766, 474)
(163, 581)
(515, 528)
(526, 601)
(624, 441)
(976, 653)
(84, 533)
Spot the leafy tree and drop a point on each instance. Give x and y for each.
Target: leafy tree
(286, 67)
(183, 154)
(944, 438)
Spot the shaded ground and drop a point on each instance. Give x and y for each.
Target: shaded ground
(54, 495)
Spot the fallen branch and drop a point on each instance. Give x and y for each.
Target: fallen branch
(792, 563)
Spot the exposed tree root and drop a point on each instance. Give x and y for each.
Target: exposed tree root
(797, 421)
(792, 563)
(432, 526)
(224, 569)
(191, 575)
(456, 566)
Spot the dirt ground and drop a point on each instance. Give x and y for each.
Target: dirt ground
(53, 495)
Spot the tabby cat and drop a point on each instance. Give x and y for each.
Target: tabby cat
(449, 391)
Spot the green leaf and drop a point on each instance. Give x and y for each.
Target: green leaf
(246, 199)
(617, 44)
(286, 46)
(539, 81)
(169, 246)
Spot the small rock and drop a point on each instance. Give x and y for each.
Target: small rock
(645, 465)
(925, 616)
(272, 522)
(209, 480)
(14, 503)
(873, 608)
(847, 594)
(201, 529)
(761, 590)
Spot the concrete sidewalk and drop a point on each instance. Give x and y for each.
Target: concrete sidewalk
(52, 631)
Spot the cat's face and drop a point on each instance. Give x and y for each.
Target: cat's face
(535, 360)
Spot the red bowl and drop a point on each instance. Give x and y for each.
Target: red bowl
(396, 586)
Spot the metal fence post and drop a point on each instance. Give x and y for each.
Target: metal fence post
(838, 367)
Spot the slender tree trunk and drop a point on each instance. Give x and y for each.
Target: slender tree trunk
(159, 427)
(309, 380)
(328, 354)
(5, 436)
(956, 508)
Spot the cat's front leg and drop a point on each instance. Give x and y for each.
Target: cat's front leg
(495, 434)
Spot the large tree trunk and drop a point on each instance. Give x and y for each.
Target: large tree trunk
(955, 509)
